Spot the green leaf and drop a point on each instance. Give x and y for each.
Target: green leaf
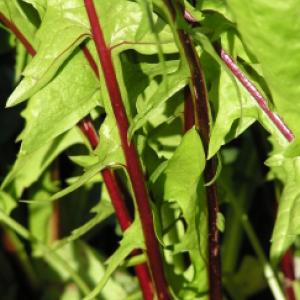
(28, 168)
(165, 138)
(186, 167)
(139, 76)
(124, 32)
(173, 83)
(217, 6)
(109, 148)
(61, 104)
(265, 28)
(84, 161)
(109, 154)
(287, 225)
(221, 222)
(86, 177)
(21, 58)
(237, 110)
(234, 104)
(133, 239)
(63, 28)
(7, 203)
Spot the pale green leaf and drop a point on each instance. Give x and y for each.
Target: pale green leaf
(61, 104)
(84, 161)
(50, 257)
(109, 154)
(63, 28)
(121, 32)
(39, 217)
(109, 147)
(86, 177)
(287, 225)
(173, 83)
(7, 203)
(247, 281)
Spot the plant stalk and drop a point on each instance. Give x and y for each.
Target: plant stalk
(189, 117)
(287, 267)
(202, 123)
(131, 156)
(261, 101)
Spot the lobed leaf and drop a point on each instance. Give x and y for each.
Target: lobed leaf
(61, 104)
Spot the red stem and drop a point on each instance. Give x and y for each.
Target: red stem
(287, 267)
(109, 179)
(18, 34)
(132, 160)
(90, 59)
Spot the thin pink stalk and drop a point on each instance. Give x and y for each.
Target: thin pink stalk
(261, 101)
(250, 87)
(109, 178)
(131, 156)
